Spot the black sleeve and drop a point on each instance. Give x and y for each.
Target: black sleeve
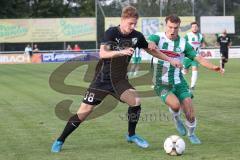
(229, 40)
(108, 36)
(142, 43)
(218, 39)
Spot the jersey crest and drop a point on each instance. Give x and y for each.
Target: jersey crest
(134, 41)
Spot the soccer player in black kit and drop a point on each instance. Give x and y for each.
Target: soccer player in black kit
(224, 41)
(116, 49)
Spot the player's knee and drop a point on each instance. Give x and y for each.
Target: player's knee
(187, 101)
(176, 106)
(137, 101)
(224, 59)
(195, 69)
(184, 71)
(84, 111)
(173, 102)
(134, 101)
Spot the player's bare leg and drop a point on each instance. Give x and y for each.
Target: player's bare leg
(131, 97)
(194, 77)
(191, 122)
(175, 109)
(222, 63)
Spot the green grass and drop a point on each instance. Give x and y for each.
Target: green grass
(29, 125)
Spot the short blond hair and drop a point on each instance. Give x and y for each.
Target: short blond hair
(129, 12)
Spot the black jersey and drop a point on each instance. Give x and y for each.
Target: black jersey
(224, 43)
(115, 69)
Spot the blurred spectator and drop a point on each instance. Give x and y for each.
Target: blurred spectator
(28, 50)
(76, 47)
(35, 48)
(69, 48)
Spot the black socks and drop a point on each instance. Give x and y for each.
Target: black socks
(72, 124)
(223, 64)
(133, 117)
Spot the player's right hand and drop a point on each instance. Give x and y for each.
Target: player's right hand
(127, 51)
(176, 63)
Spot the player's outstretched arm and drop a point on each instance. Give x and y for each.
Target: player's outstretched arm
(154, 51)
(105, 52)
(206, 63)
(158, 54)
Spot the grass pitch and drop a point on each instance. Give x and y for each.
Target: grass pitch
(29, 124)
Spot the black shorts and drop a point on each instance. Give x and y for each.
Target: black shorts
(98, 90)
(224, 54)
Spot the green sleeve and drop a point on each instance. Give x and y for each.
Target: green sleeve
(203, 40)
(189, 51)
(186, 37)
(154, 38)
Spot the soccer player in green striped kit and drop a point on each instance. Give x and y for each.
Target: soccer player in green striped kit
(170, 84)
(196, 40)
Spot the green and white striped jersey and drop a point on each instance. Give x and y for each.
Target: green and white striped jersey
(164, 72)
(195, 40)
(137, 53)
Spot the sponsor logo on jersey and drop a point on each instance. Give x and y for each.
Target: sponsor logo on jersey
(196, 43)
(170, 53)
(164, 92)
(118, 40)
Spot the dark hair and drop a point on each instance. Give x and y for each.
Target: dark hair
(194, 23)
(129, 12)
(173, 18)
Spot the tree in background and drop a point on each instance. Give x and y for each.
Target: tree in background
(14, 9)
(46, 8)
